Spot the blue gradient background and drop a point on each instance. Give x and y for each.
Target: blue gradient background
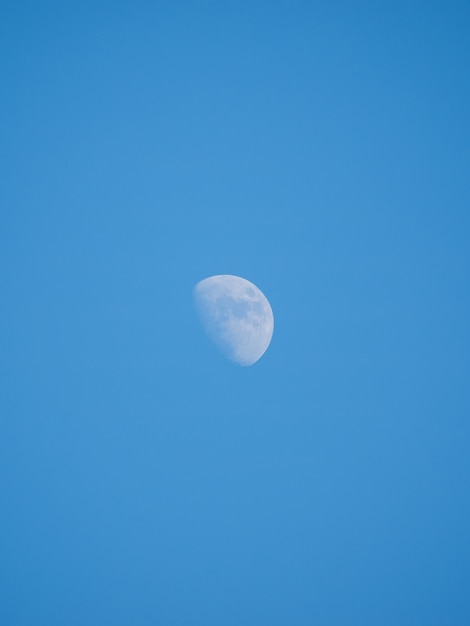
(320, 150)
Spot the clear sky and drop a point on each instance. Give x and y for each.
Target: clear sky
(318, 149)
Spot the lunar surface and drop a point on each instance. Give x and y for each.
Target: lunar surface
(236, 316)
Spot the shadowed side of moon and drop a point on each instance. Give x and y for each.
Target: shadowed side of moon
(236, 316)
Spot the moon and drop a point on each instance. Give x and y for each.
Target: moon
(236, 316)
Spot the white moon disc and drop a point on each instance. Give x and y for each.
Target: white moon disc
(236, 315)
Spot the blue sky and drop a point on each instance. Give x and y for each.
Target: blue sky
(320, 150)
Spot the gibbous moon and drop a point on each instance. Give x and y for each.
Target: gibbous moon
(236, 316)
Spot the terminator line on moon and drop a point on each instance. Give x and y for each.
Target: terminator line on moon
(236, 316)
